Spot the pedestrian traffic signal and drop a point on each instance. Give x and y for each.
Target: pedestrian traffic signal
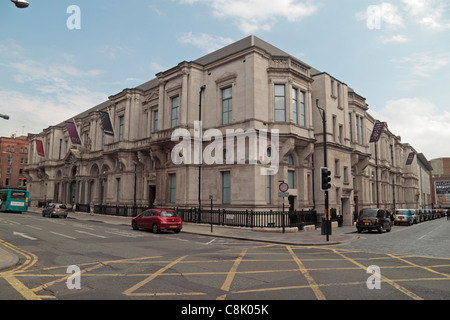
(325, 178)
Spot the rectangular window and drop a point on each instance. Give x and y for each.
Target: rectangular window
(350, 123)
(346, 175)
(226, 187)
(337, 170)
(118, 190)
(295, 105)
(103, 140)
(268, 189)
(357, 129)
(339, 95)
(291, 179)
(175, 111)
(173, 187)
(155, 121)
(227, 106)
(121, 127)
(334, 128)
(302, 109)
(361, 127)
(280, 103)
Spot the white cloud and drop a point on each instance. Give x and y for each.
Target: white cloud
(420, 123)
(155, 66)
(204, 41)
(254, 15)
(34, 113)
(49, 94)
(394, 39)
(428, 13)
(423, 64)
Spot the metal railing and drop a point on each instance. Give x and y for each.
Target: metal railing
(250, 218)
(222, 217)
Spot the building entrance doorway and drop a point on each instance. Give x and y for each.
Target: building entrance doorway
(151, 196)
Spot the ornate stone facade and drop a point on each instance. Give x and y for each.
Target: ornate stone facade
(248, 86)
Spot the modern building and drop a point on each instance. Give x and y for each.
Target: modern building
(13, 159)
(260, 111)
(440, 183)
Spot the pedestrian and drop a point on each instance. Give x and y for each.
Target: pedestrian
(448, 214)
(91, 207)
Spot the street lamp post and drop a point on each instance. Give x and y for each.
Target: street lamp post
(202, 89)
(20, 3)
(325, 164)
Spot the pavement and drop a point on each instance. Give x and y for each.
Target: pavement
(292, 236)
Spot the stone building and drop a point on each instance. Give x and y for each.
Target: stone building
(260, 126)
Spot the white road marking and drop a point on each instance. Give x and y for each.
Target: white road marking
(24, 235)
(33, 227)
(63, 235)
(91, 234)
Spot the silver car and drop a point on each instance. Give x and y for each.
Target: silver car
(55, 210)
(415, 214)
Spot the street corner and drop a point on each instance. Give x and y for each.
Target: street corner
(7, 258)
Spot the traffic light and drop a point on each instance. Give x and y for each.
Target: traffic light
(325, 178)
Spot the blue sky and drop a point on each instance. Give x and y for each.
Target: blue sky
(394, 53)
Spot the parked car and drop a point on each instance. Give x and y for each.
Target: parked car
(55, 210)
(415, 215)
(403, 216)
(373, 219)
(157, 220)
(428, 215)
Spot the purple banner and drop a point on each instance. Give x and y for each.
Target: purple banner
(376, 133)
(410, 159)
(73, 133)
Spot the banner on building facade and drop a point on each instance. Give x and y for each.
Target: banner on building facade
(410, 159)
(73, 132)
(377, 130)
(106, 123)
(442, 192)
(40, 148)
(442, 187)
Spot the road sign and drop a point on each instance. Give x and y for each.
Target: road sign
(283, 187)
(283, 194)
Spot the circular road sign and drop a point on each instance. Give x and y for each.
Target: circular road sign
(283, 187)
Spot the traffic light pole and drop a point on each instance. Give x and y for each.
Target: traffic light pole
(325, 161)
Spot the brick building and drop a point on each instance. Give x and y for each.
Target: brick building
(13, 159)
(440, 183)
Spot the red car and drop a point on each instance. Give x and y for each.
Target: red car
(158, 219)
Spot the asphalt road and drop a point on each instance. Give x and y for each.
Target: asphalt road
(429, 239)
(115, 262)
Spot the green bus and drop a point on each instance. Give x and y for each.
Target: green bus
(12, 200)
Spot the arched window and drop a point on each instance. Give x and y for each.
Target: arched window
(291, 160)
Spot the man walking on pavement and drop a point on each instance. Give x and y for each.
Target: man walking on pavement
(91, 207)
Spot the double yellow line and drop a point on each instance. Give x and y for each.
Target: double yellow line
(9, 276)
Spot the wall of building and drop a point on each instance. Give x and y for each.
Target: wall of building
(13, 159)
(136, 165)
